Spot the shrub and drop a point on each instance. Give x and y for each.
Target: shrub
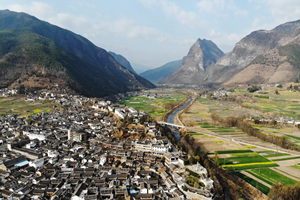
(254, 88)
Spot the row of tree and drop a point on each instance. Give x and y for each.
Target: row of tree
(245, 126)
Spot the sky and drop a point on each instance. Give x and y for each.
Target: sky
(154, 32)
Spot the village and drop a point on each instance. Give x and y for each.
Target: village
(74, 154)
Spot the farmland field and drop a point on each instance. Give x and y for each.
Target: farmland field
(264, 189)
(156, 107)
(249, 156)
(18, 106)
(271, 177)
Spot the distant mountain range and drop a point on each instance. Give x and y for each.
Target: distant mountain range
(123, 61)
(261, 57)
(158, 74)
(37, 54)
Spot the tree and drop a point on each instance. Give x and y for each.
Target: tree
(216, 158)
(256, 121)
(273, 122)
(280, 191)
(276, 92)
(21, 89)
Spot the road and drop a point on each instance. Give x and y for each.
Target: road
(171, 122)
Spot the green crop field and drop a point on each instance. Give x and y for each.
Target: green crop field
(234, 151)
(291, 158)
(296, 166)
(264, 189)
(270, 176)
(276, 155)
(194, 133)
(243, 159)
(154, 106)
(246, 166)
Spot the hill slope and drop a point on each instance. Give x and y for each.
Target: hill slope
(84, 67)
(192, 71)
(158, 74)
(259, 57)
(123, 61)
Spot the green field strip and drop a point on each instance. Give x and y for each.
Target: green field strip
(247, 166)
(292, 137)
(282, 159)
(288, 174)
(261, 187)
(231, 133)
(276, 155)
(234, 151)
(296, 166)
(244, 154)
(271, 177)
(269, 151)
(243, 159)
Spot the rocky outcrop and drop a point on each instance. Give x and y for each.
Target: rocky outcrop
(246, 63)
(192, 71)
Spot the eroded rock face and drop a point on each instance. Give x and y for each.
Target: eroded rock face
(263, 56)
(192, 71)
(258, 43)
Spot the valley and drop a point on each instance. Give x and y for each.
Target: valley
(77, 121)
(271, 110)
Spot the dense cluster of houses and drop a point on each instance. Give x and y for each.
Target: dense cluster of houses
(5, 92)
(72, 154)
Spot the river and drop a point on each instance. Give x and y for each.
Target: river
(171, 118)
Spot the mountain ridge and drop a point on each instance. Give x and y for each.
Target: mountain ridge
(158, 74)
(102, 75)
(123, 61)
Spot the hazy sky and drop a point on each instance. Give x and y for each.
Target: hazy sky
(154, 32)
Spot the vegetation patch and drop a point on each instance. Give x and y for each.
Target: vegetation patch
(276, 155)
(234, 151)
(19, 106)
(282, 159)
(271, 177)
(264, 189)
(250, 146)
(218, 141)
(194, 133)
(244, 154)
(154, 106)
(250, 165)
(296, 166)
(250, 158)
(268, 151)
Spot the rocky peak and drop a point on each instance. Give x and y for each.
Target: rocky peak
(202, 54)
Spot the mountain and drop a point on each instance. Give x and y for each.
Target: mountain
(193, 69)
(140, 68)
(158, 74)
(37, 54)
(123, 61)
(263, 56)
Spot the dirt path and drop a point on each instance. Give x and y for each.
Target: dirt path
(254, 178)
